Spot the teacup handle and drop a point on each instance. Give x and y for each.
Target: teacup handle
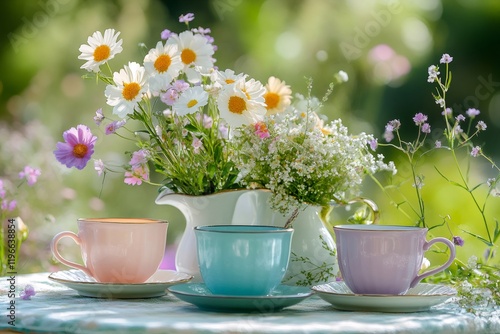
(58, 256)
(427, 245)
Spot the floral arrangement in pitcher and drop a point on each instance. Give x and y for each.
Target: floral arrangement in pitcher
(477, 278)
(206, 130)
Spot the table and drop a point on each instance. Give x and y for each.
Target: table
(58, 309)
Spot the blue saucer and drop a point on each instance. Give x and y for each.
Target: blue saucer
(199, 295)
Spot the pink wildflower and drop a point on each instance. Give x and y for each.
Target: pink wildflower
(113, 126)
(261, 130)
(31, 174)
(137, 175)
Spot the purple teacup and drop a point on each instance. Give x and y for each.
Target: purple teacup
(383, 259)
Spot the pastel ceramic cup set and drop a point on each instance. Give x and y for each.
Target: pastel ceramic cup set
(251, 260)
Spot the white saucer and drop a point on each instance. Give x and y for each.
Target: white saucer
(155, 286)
(199, 295)
(420, 298)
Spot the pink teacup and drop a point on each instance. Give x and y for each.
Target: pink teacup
(383, 259)
(117, 250)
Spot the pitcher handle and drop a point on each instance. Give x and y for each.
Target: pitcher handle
(374, 211)
(58, 256)
(427, 245)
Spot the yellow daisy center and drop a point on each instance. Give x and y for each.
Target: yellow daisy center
(229, 81)
(192, 103)
(79, 150)
(188, 56)
(162, 63)
(272, 100)
(102, 52)
(130, 90)
(236, 105)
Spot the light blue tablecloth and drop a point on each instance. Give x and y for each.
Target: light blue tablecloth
(56, 308)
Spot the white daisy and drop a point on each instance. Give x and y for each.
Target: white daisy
(278, 96)
(100, 49)
(162, 64)
(130, 85)
(242, 102)
(227, 77)
(191, 100)
(195, 53)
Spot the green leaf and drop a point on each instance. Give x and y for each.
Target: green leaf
(496, 234)
(190, 128)
(477, 236)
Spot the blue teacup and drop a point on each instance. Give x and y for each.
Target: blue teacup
(243, 260)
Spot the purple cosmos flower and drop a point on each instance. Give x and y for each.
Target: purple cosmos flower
(99, 117)
(475, 151)
(28, 292)
(426, 128)
(31, 174)
(420, 118)
(458, 241)
(77, 148)
(472, 112)
(446, 59)
(186, 18)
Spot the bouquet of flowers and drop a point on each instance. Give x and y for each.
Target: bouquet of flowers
(304, 160)
(206, 130)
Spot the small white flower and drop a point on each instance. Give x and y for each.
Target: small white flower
(100, 49)
(472, 262)
(342, 76)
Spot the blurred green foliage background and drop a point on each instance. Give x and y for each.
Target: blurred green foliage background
(384, 46)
